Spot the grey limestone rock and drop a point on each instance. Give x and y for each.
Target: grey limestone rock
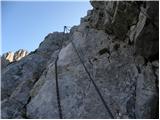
(10, 57)
(116, 46)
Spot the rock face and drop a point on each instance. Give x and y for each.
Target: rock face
(115, 48)
(6, 59)
(10, 57)
(20, 54)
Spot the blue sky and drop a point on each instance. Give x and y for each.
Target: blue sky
(25, 24)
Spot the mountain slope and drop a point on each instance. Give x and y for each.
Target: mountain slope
(107, 67)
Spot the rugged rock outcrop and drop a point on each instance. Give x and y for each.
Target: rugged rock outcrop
(10, 57)
(20, 54)
(6, 59)
(116, 47)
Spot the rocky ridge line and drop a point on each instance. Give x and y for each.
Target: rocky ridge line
(10, 57)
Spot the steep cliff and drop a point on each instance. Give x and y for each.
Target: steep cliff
(107, 67)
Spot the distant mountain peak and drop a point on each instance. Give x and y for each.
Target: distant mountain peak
(13, 56)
